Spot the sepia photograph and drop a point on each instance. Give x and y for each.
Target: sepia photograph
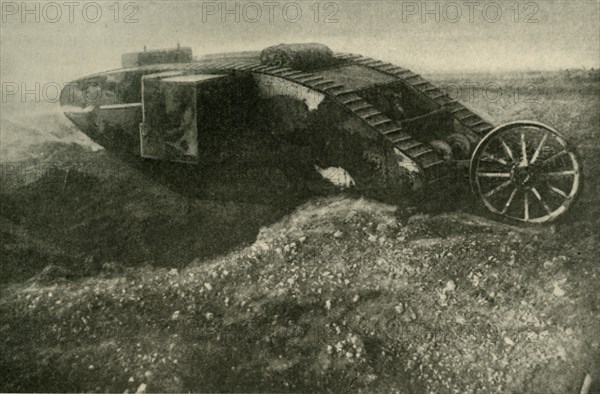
(357, 196)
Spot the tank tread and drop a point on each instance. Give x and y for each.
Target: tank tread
(331, 88)
(436, 95)
(460, 113)
(348, 56)
(359, 105)
(434, 163)
(321, 84)
(408, 144)
(419, 150)
(271, 68)
(247, 66)
(391, 68)
(370, 62)
(420, 83)
(472, 122)
(258, 67)
(281, 70)
(392, 130)
(380, 120)
(310, 81)
(343, 92)
(367, 112)
(399, 137)
(351, 99)
(290, 74)
(403, 73)
(484, 128)
(301, 76)
(389, 128)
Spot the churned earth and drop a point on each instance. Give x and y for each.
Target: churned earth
(113, 282)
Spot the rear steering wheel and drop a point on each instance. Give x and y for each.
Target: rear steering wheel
(525, 171)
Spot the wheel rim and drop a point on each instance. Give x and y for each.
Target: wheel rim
(525, 171)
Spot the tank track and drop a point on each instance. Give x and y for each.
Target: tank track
(429, 161)
(418, 84)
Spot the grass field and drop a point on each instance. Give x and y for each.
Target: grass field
(113, 282)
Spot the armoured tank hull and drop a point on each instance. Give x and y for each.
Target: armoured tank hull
(386, 125)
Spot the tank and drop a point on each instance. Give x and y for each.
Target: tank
(385, 125)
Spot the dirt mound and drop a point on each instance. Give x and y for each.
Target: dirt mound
(88, 212)
(339, 295)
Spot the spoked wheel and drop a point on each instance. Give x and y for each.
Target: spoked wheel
(525, 171)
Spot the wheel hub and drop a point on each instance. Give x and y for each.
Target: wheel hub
(524, 177)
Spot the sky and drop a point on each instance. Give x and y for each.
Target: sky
(60, 41)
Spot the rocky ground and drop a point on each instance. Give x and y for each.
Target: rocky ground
(113, 282)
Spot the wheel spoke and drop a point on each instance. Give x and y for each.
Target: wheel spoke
(558, 191)
(523, 150)
(498, 188)
(539, 148)
(539, 197)
(495, 159)
(561, 173)
(526, 206)
(494, 174)
(510, 198)
(507, 150)
(554, 156)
